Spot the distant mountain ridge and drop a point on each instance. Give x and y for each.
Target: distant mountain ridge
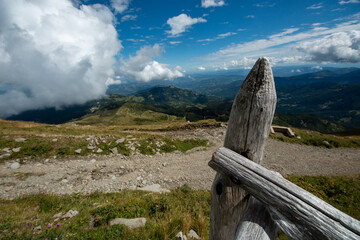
(315, 100)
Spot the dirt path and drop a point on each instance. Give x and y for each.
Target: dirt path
(114, 173)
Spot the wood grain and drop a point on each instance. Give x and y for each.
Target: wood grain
(297, 212)
(248, 128)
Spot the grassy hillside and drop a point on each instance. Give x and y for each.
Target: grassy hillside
(128, 114)
(180, 210)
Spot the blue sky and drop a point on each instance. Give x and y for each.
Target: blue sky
(55, 53)
(265, 28)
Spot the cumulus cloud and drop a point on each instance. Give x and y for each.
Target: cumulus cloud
(201, 68)
(53, 54)
(349, 1)
(212, 3)
(341, 47)
(142, 67)
(120, 5)
(181, 23)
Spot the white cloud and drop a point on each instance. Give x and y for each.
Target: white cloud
(212, 3)
(181, 23)
(142, 67)
(111, 81)
(120, 5)
(338, 47)
(315, 6)
(219, 36)
(201, 68)
(349, 1)
(175, 42)
(279, 46)
(250, 16)
(54, 54)
(128, 17)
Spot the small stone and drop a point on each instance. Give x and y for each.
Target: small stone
(70, 214)
(90, 147)
(130, 223)
(164, 164)
(7, 150)
(193, 234)
(16, 149)
(64, 181)
(15, 165)
(114, 150)
(181, 236)
(54, 140)
(8, 188)
(156, 188)
(113, 177)
(99, 150)
(20, 140)
(5, 155)
(78, 151)
(93, 161)
(121, 140)
(326, 143)
(88, 177)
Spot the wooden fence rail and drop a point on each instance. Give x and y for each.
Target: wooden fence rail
(298, 213)
(251, 202)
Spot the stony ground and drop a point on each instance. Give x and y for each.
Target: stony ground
(115, 172)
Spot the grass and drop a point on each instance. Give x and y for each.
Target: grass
(167, 214)
(313, 138)
(36, 146)
(180, 210)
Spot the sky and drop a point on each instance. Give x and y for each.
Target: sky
(55, 53)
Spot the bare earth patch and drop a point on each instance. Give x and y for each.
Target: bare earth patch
(112, 173)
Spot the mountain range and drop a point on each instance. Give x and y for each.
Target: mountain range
(327, 100)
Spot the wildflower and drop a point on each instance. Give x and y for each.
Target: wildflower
(49, 226)
(27, 227)
(58, 225)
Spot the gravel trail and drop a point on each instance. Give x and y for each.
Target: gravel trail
(114, 172)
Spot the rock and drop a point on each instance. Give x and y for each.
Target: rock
(181, 236)
(16, 149)
(8, 188)
(70, 214)
(156, 188)
(90, 147)
(20, 140)
(5, 155)
(78, 151)
(114, 150)
(326, 143)
(58, 215)
(193, 234)
(99, 150)
(64, 181)
(121, 140)
(130, 223)
(7, 150)
(93, 161)
(15, 165)
(54, 140)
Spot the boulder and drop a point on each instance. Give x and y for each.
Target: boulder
(121, 140)
(20, 140)
(193, 234)
(114, 150)
(78, 151)
(130, 223)
(16, 149)
(15, 165)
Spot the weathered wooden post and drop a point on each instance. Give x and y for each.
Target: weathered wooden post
(248, 128)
